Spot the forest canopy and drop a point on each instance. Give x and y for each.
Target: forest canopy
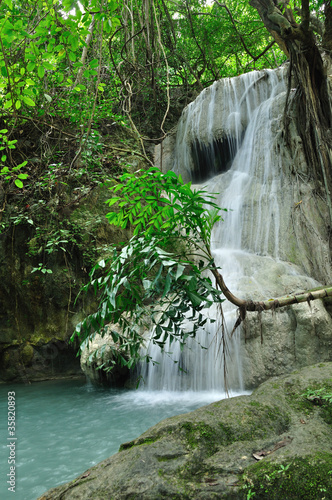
(75, 59)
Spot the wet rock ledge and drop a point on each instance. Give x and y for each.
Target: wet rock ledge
(275, 443)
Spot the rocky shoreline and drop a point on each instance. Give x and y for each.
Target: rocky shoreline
(274, 443)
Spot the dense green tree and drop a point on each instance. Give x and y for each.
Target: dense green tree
(144, 59)
(160, 275)
(159, 280)
(83, 62)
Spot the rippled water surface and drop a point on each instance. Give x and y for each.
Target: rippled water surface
(65, 427)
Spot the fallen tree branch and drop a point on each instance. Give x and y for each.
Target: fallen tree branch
(266, 305)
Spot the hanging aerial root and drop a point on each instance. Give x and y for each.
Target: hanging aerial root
(241, 317)
(309, 299)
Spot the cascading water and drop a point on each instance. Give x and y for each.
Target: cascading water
(229, 137)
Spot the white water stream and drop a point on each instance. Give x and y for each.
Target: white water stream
(245, 245)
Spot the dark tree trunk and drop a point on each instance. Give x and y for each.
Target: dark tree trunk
(311, 101)
(327, 36)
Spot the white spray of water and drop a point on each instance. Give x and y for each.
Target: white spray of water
(249, 235)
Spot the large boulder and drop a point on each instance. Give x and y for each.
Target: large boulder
(272, 444)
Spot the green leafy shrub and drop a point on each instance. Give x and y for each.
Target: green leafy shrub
(144, 278)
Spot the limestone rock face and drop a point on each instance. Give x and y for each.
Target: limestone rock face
(225, 449)
(279, 341)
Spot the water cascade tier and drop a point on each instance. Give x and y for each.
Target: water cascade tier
(273, 240)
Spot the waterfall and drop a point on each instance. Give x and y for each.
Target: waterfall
(228, 142)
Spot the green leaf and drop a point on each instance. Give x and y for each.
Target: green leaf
(8, 104)
(41, 71)
(73, 40)
(31, 66)
(48, 97)
(18, 183)
(21, 164)
(195, 298)
(28, 101)
(168, 283)
(94, 63)
(48, 65)
(18, 104)
(179, 271)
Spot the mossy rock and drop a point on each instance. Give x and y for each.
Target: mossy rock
(307, 477)
(27, 354)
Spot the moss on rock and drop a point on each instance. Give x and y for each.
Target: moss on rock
(27, 354)
(307, 477)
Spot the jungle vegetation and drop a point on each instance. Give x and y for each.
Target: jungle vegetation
(73, 72)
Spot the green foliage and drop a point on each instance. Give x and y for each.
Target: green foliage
(76, 60)
(250, 494)
(92, 150)
(42, 43)
(147, 282)
(161, 204)
(181, 47)
(10, 173)
(319, 396)
(52, 61)
(41, 268)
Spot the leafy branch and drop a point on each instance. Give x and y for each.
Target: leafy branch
(154, 281)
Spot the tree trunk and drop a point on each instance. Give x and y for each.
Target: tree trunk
(311, 101)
